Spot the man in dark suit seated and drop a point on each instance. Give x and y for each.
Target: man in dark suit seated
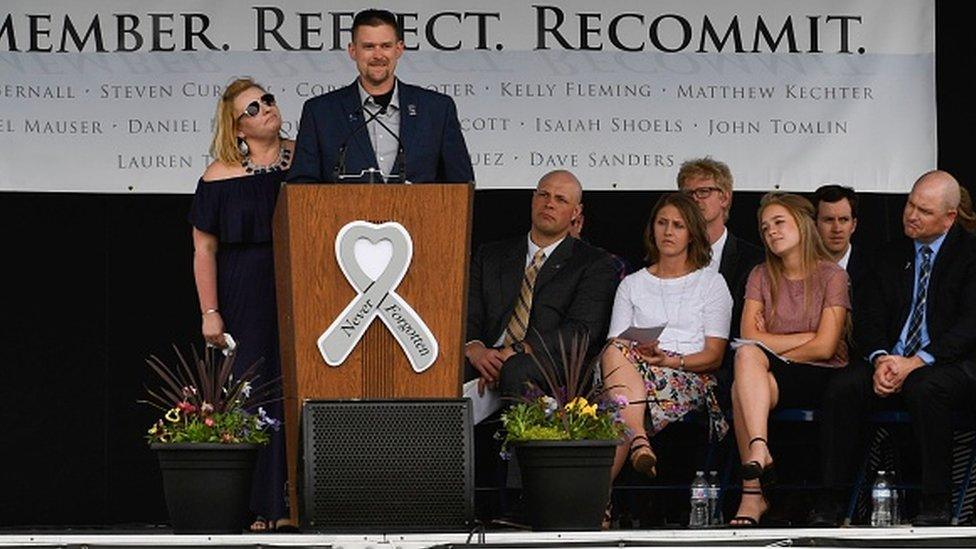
(526, 292)
(836, 222)
(709, 183)
(379, 128)
(915, 329)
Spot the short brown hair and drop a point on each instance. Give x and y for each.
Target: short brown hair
(376, 18)
(699, 250)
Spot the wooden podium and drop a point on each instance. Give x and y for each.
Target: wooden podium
(312, 291)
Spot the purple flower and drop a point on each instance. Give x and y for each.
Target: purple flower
(533, 392)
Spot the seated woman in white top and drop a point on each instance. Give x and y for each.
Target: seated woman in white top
(669, 378)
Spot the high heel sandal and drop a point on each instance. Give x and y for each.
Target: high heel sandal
(642, 457)
(752, 470)
(745, 521)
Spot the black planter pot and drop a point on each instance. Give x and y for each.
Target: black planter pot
(207, 485)
(565, 483)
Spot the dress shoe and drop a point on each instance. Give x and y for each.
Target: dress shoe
(823, 518)
(933, 511)
(825, 513)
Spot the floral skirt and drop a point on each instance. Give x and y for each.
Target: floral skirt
(673, 393)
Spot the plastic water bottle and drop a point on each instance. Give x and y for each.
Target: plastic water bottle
(699, 502)
(881, 500)
(895, 507)
(714, 510)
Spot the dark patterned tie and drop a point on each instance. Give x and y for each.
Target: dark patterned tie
(519, 323)
(914, 340)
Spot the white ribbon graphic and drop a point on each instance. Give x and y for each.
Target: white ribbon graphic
(376, 296)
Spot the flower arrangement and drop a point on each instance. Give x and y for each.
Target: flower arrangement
(578, 410)
(205, 403)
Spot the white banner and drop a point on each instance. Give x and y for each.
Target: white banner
(118, 96)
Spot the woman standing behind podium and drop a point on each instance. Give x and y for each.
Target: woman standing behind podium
(233, 264)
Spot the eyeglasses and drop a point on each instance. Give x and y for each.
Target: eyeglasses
(254, 108)
(701, 193)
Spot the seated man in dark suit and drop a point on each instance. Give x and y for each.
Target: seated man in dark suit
(915, 330)
(836, 222)
(526, 292)
(709, 183)
(379, 128)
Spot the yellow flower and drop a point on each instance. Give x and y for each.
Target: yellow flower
(173, 415)
(153, 429)
(581, 407)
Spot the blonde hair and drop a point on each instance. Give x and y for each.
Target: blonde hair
(223, 147)
(812, 249)
(708, 168)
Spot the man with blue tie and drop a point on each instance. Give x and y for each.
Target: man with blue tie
(915, 331)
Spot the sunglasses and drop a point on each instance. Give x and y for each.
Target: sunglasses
(254, 107)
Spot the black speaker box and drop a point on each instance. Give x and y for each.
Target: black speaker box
(381, 466)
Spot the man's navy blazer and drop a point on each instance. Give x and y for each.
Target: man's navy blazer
(433, 146)
(884, 302)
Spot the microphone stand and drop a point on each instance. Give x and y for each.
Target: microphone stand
(339, 170)
(400, 160)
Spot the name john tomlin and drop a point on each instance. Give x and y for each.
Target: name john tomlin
(277, 29)
(777, 126)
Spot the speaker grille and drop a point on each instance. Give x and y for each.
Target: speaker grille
(387, 466)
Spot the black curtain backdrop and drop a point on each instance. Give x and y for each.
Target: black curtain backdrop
(92, 284)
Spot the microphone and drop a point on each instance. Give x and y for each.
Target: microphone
(339, 170)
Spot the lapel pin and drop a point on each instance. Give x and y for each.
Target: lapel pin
(412, 109)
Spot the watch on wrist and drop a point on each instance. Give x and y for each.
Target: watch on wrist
(518, 347)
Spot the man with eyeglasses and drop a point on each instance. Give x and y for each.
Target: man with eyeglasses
(379, 128)
(709, 183)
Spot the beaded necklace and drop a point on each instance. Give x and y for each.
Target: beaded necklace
(280, 163)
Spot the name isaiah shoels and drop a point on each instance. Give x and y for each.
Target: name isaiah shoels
(554, 28)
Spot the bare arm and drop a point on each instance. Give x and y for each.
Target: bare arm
(704, 361)
(753, 327)
(205, 276)
(824, 344)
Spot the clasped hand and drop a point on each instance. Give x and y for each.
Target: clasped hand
(487, 361)
(890, 372)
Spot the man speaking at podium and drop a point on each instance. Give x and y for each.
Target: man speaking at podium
(379, 129)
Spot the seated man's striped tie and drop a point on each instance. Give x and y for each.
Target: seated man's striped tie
(519, 323)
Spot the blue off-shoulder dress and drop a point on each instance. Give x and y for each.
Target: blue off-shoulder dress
(238, 212)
